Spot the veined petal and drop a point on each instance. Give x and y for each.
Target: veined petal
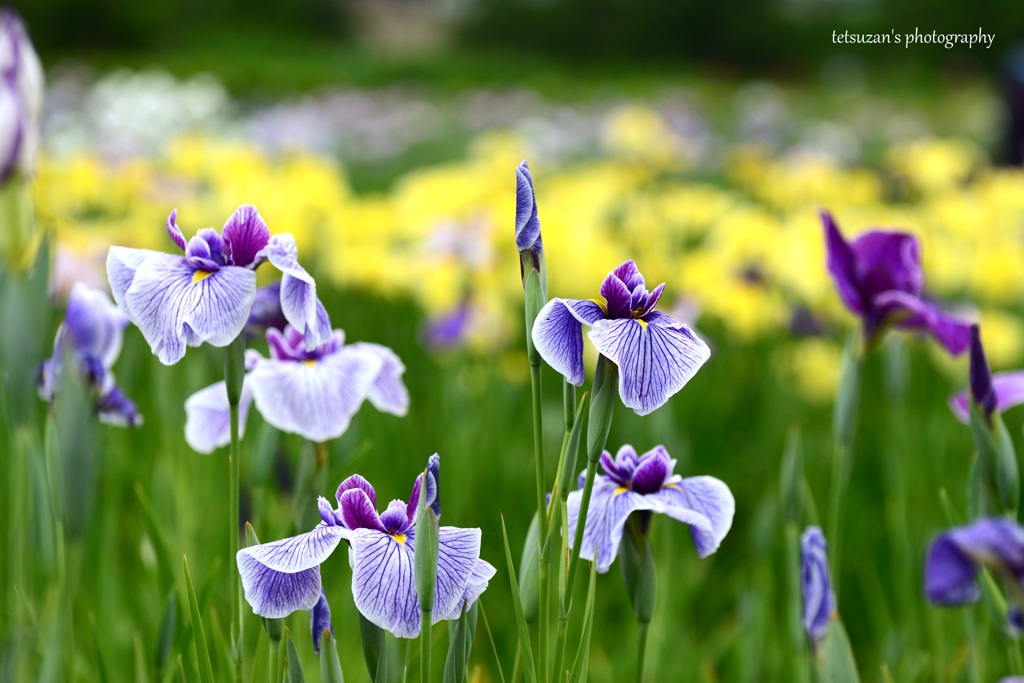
(387, 393)
(705, 503)
(299, 302)
(357, 511)
(382, 581)
(911, 312)
(298, 553)
(208, 417)
(122, 263)
(558, 335)
(171, 307)
(274, 594)
(1009, 389)
(95, 324)
(483, 572)
(175, 232)
(458, 555)
(656, 357)
(357, 482)
(246, 234)
(315, 399)
(610, 507)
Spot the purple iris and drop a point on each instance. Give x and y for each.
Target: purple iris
(957, 555)
(656, 355)
(879, 277)
(207, 294)
(991, 392)
(819, 600)
(648, 484)
(313, 393)
(528, 239)
(21, 97)
(91, 336)
(266, 312)
(282, 577)
(320, 619)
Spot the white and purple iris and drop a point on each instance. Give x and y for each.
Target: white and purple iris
(880, 279)
(957, 556)
(313, 393)
(21, 97)
(91, 337)
(819, 600)
(206, 294)
(282, 577)
(655, 354)
(648, 484)
(1001, 391)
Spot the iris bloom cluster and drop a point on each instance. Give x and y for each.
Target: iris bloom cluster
(284, 576)
(313, 393)
(90, 338)
(206, 294)
(646, 484)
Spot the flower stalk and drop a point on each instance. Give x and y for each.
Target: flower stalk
(234, 371)
(843, 429)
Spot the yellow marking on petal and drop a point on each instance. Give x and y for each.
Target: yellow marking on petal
(619, 491)
(603, 307)
(677, 487)
(201, 275)
(643, 323)
(309, 363)
(398, 537)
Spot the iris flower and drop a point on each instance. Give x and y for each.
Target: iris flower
(313, 393)
(992, 392)
(880, 279)
(206, 294)
(91, 337)
(957, 555)
(819, 600)
(21, 97)
(647, 484)
(655, 354)
(284, 576)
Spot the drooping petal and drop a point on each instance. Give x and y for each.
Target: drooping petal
(610, 507)
(656, 357)
(558, 335)
(122, 263)
(95, 324)
(842, 266)
(299, 302)
(208, 417)
(483, 572)
(275, 594)
(387, 392)
(246, 235)
(705, 503)
(173, 306)
(949, 575)
(298, 553)
(357, 511)
(315, 399)
(911, 312)
(818, 598)
(1009, 391)
(383, 587)
(357, 482)
(457, 558)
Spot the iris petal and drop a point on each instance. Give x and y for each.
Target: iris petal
(208, 417)
(705, 503)
(912, 312)
(610, 507)
(382, 582)
(275, 594)
(299, 302)
(387, 392)
(122, 263)
(247, 235)
(558, 335)
(1009, 388)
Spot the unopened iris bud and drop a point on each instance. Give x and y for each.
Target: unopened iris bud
(528, 240)
(320, 620)
(982, 390)
(819, 601)
(21, 97)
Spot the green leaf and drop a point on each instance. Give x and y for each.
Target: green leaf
(844, 419)
(294, 667)
(490, 637)
(529, 567)
(100, 660)
(165, 636)
(374, 649)
(524, 633)
(458, 651)
(999, 472)
(154, 528)
(330, 666)
(198, 634)
(638, 573)
(425, 558)
(790, 476)
(535, 296)
(579, 667)
(602, 407)
(835, 662)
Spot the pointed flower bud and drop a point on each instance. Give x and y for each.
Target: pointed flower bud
(982, 390)
(320, 620)
(527, 223)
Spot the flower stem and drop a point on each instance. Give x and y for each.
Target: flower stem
(276, 662)
(234, 370)
(425, 620)
(1016, 664)
(844, 425)
(542, 574)
(641, 650)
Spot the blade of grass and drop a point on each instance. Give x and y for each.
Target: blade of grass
(198, 634)
(524, 634)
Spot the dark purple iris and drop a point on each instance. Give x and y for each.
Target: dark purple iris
(879, 277)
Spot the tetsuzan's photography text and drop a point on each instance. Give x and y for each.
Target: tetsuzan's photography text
(978, 38)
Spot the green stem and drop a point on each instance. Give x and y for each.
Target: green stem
(840, 480)
(1016, 663)
(542, 574)
(843, 428)
(276, 662)
(425, 620)
(234, 368)
(641, 650)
